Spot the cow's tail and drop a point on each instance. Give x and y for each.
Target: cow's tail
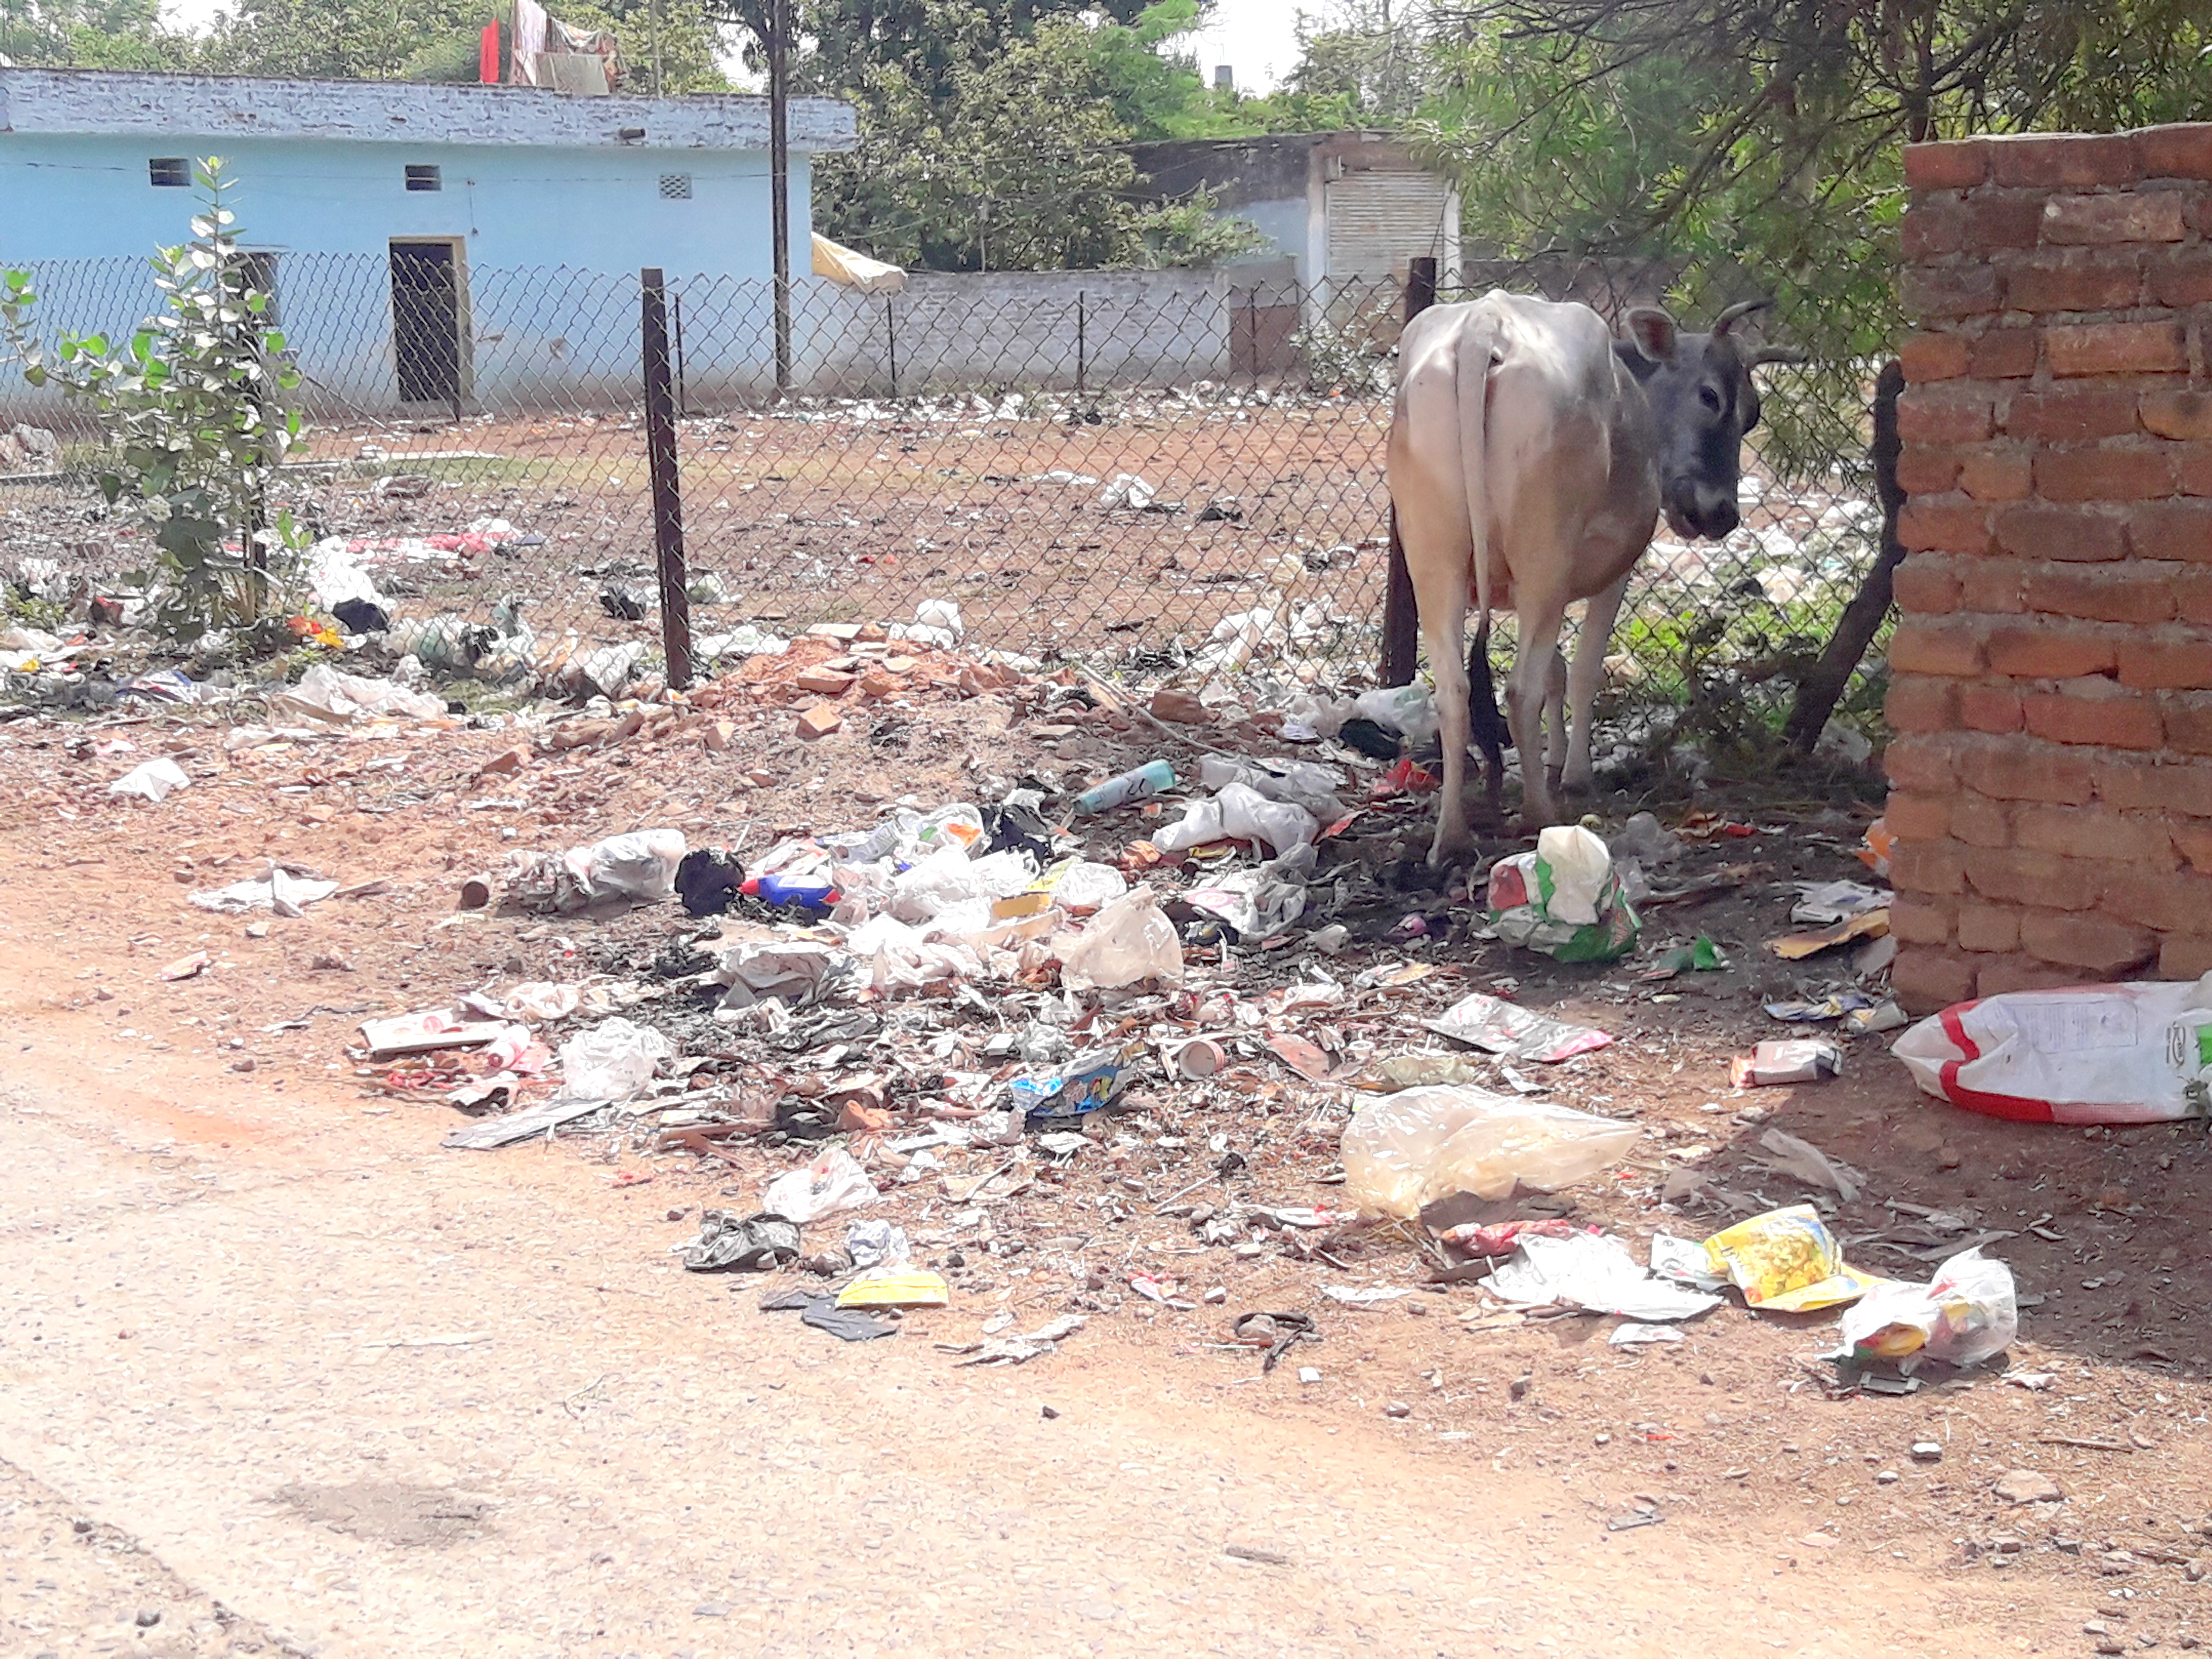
(1479, 348)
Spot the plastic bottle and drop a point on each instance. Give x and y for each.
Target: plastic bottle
(1147, 780)
(809, 892)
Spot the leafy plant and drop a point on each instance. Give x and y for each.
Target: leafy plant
(192, 413)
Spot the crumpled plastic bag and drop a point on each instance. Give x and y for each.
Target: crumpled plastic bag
(1968, 1314)
(154, 780)
(1303, 783)
(1421, 1145)
(325, 693)
(793, 972)
(1259, 902)
(831, 1182)
(1788, 1262)
(1563, 899)
(1243, 812)
(638, 864)
(1128, 941)
(612, 1060)
(754, 1244)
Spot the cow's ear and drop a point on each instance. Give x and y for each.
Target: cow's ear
(1653, 332)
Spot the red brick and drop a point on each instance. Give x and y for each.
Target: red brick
(2182, 955)
(2020, 769)
(2049, 651)
(1917, 818)
(1929, 648)
(1959, 164)
(2002, 221)
(2192, 469)
(2117, 348)
(2171, 530)
(2022, 973)
(2176, 901)
(1940, 292)
(2121, 722)
(1927, 469)
(2004, 354)
(1927, 357)
(1936, 524)
(1993, 586)
(2183, 150)
(2193, 842)
(1979, 821)
(2059, 533)
(1918, 703)
(2175, 412)
(2072, 160)
(1990, 474)
(2182, 276)
(2154, 786)
(2192, 596)
(1921, 762)
(2109, 472)
(2176, 664)
(1945, 414)
(2100, 945)
(1933, 226)
(2148, 216)
(1917, 920)
(1928, 866)
(1927, 584)
(2011, 875)
(1990, 709)
(2120, 593)
(2093, 832)
(2072, 414)
(1982, 927)
(1927, 979)
(2189, 722)
(2073, 279)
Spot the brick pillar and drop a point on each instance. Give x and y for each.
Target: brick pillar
(2051, 670)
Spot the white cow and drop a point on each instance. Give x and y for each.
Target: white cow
(1530, 454)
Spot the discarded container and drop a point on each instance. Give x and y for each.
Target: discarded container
(1201, 1057)
(802, 892)
(2102, 1054)
(1967, 1314)
(1084, 1084)
(1129, 941)
(612, 1060)
(1151, 779)
(1422, 1144)
(1788, 1262)
(833, 1182)
(155, 780)
(1499, 1027)
(1792, 1060)
(1563, 899)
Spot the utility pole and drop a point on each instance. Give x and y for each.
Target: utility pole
(779, 178)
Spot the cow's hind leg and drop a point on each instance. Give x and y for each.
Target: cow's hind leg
(1528, 688)
(1584, 677)
(1489, 729)
(1440, 593)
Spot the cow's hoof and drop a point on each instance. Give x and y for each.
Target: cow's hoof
(1450, 851)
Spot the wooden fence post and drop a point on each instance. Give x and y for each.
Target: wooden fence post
(667, 483)
(1401, 627)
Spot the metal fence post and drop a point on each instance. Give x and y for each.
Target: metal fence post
(1081, 347)
(1401, 626)
(667, 484)
(676, 328)
(890, 339)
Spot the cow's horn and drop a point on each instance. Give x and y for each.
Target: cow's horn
(1778, 354)
(1740, 308)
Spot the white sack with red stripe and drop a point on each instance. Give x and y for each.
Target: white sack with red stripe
(2094, 1054)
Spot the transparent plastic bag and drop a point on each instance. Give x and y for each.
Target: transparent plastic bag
(1302, 783)
(1128, 941)
(1968, 1314)
(612, 1060)
(1421, 1145)
(1408, 710)
(831, 1182)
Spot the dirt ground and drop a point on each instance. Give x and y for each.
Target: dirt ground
(309, 1382)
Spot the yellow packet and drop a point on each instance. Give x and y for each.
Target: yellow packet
(905, 1287)
(1788, 1262)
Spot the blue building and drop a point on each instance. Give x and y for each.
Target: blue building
(432, 244)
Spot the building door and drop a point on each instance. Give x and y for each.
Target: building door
(427, 341)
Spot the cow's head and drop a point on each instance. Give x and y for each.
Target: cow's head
(1702, 401)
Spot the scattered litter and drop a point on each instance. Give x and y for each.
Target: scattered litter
(831, 1182)
(1239, 812)
(155, 780)
(424, 1032)
(1789, 1060)
(1591, 1271)
(188, 967)
(1127, 942)
(280, 891)
(1838, 1006)
(1502, 1238)
(1362, 1296)
(1421, 1145)
(1701, 956)
(1965, 1315)
(1884, 1016)
(1811, 1165)
(1864, 924)
(1420, 1070)
(1630, 1334)
(1878, 845)
(876, 1243)
(1645, 840)
(1563, 899)
(485, 1133)
(613, 1059)
(752, 1244)
(1499, 1027)
(1787, 1261)
(325, 693)
(1018, 1350)
(708, 880)
(640, 865)
(2137, 1053)
(1084, 1084)
(895, 1287)
(1141, 783)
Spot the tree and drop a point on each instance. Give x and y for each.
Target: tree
(330, 39)
(85, 35)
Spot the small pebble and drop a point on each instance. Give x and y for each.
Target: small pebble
(1050, 1414)
(1309, 1374)
(1927, 1451)
(1397, 1408)
(148, 1617)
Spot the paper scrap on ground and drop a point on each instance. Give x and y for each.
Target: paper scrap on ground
(1788, 1261)
(280, 891)
(1591, 1271)
(1501, 1028)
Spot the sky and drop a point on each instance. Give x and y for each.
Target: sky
(1258, 39)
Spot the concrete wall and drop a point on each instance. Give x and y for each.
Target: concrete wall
(2052, 690)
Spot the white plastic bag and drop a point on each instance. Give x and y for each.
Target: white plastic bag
(949, 876)
(1421, 1145)
(1408, 710)
(639, 863)
(1084, 887)
(1563, 899)
(1303, 783)
(1242, 812)
(1967, 1314)
(831, 1182)
(155, 780)
(1128, 941)
(327, 694)
(2101, 1053)
(612, 1060)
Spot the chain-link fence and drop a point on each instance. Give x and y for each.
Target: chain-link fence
(1156, 473)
